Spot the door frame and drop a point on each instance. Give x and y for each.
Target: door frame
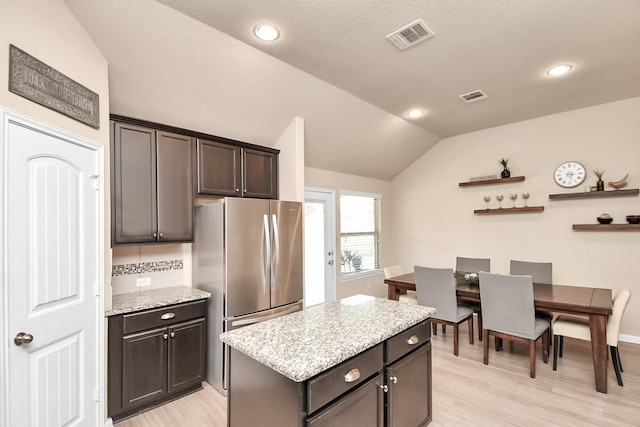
(327, 196)
(8, 116)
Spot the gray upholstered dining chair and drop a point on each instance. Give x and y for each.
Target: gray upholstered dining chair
(396, 270)
(566, 325)
(542, 272)
(508, 312)
(436, 287)
(474, 265)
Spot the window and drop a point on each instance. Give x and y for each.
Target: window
(359, 233)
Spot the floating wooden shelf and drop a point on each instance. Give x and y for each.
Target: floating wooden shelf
(595, 194)
(606, 227)
(492, 181)
(509, 210)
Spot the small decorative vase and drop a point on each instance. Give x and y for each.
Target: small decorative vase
(600, 185)
(505, 173)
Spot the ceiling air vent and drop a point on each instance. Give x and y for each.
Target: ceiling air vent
(474, 96)
(411, 34)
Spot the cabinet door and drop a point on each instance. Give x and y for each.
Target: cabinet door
(186, 354)
(144, 367)
(361, 407)
(134, 213)
(175, 195)
(260, 176)
(219, 169)
(409, 395)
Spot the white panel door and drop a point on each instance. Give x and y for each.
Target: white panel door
(319, 247)
(52, 245)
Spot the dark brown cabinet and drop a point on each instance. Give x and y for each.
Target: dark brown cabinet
(154, 356)
(152, 190)
(363, 407)
(409, 389)
(260, 174)
(228, 170)
(386, 385)
(219, 168)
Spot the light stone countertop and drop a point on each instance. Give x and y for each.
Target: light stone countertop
(303, 344)
(162, 297)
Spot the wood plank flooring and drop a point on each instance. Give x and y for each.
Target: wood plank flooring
(468, 393)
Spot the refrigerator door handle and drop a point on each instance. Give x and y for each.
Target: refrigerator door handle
(265, 245)
(276, 254)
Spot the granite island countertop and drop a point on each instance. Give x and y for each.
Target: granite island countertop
(162, 297)
(303, 344)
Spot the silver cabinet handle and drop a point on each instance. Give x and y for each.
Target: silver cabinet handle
(165, 336)
(352, 375)
(155, 235)
(413, 340)
(393, 380)
(161, 235)
(22, 338)
(384, 387)
(168, 316)
(237, 190)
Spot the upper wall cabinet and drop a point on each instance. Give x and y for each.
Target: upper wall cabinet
(219, 168)
(225, 169)
(152, 188)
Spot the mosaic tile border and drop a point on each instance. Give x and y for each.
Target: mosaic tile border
(146, 267)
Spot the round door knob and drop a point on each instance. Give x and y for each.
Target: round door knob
(23, 338)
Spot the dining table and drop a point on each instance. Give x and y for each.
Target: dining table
(594, 303)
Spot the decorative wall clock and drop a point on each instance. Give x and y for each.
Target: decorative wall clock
(569, 174)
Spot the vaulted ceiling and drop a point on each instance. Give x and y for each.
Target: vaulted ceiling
(501, 47)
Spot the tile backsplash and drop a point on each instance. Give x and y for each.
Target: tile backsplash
(146, 267)
(164, 265)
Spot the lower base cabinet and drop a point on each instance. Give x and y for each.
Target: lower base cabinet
(408, 400)
(364, 406)
(155, 356)
(386, 385)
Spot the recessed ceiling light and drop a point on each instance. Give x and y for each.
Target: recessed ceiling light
(559, 70)
(266, 32)
(415, 113)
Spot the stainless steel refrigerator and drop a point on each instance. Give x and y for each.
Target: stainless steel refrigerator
(248, 254)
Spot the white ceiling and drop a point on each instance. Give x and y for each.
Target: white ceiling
(503, 47)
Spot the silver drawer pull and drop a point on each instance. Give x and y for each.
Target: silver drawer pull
(168, 316)
(413, 340)
(352, 375)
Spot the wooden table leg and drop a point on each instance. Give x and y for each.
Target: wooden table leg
(392, 292)
(598, 326)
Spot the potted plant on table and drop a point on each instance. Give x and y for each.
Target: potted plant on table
(505, 170)
(599, 182)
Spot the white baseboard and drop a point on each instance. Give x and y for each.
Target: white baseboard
(629, 338)
(108, 423)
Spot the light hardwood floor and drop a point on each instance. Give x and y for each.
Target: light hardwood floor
(468, 393)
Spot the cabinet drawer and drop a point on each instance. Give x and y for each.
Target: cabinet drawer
(362, 407)
(343, 377)
(407, 341)
(163, 316)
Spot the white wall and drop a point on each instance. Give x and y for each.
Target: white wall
(291, 162)
(373, 285)
(433, 220)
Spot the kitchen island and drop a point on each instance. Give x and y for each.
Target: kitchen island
(360, 361)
